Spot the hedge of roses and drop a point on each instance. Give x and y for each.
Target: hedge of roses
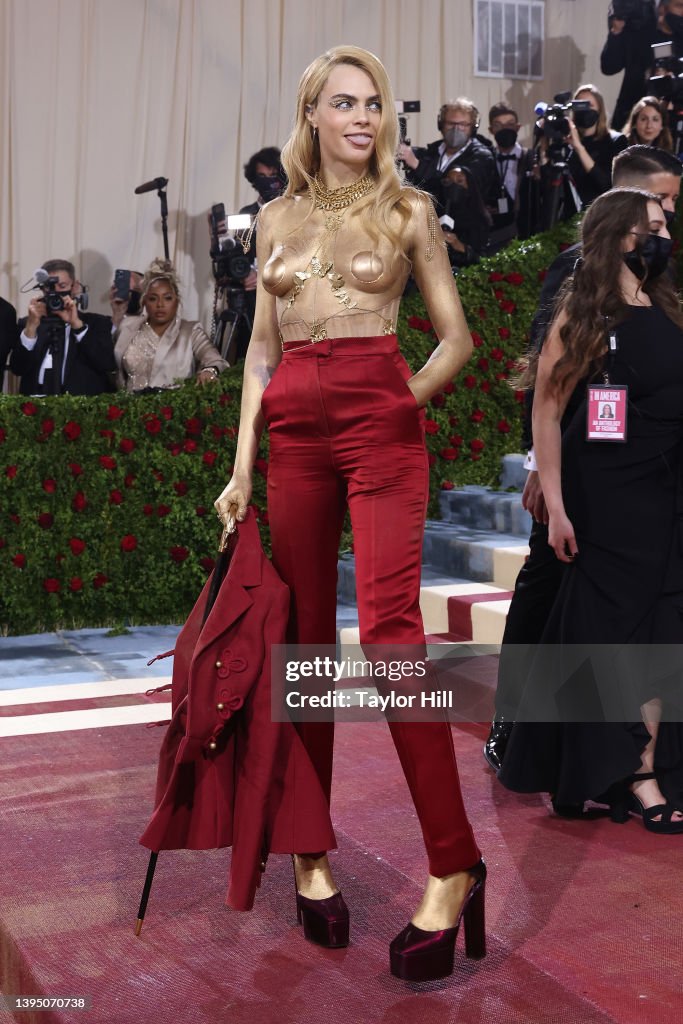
(106, 504)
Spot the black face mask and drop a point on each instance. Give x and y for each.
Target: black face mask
(650, 258)
(675, 23)
(268, 186)
(506, 138)
(585, 118)
(670, 217)
(455, 195)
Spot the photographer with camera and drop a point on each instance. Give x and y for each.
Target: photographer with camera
(632, 31)
(458, 122)
(576, 140)
(60, 349)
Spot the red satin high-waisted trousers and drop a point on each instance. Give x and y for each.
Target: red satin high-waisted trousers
(345, 430)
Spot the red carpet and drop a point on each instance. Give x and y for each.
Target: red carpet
(583, 918)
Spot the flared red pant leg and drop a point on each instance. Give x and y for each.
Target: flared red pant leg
(344, 427)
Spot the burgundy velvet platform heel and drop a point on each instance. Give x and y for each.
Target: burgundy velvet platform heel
(326, 922)
(417, 955)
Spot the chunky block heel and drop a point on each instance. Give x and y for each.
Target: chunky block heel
(326, 922)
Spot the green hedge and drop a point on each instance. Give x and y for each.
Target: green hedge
(106, 504)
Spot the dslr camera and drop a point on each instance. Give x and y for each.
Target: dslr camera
(229, 263)
(667, 81)
(54, 300)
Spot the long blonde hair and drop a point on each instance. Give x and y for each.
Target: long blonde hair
(602, 128)
(301, 153)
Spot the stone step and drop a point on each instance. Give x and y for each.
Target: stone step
(481, 508)
(479, 555)
(512, 472)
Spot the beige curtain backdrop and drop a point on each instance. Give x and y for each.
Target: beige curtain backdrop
(98, 96)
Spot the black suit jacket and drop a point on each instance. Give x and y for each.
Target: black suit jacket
(90, 365)
(477, 158)
(8, 334)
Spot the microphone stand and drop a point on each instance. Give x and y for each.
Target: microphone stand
(164, 219)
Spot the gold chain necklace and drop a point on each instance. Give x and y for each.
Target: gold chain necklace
(339, 198)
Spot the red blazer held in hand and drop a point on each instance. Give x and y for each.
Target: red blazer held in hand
(228, 774)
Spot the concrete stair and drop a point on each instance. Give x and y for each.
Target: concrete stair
(471, 559)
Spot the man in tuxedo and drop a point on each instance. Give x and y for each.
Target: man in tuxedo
(458, 122)
(64, 350)
(513, 210)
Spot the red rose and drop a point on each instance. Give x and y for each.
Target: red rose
(520, 396)
(230, 431)
(449, 388)
(47, 426)
(29, 408)
(148, 509)
(503, 427)
(456, 440)
(261, 466)
(200, 510)
(499, 293)
(77, 546)
(477, 340)
(508, 306)
(477, 445)
(157, 475)
(3, 435)
(438, 400)
(496, 276)
(470, 382)
(431, 427)
(431, 458)
(485, 386)
(166, 411)
(109, 434)
(542, 274)
(175, 449)
(152, 424)
(107, 462)
(224, 399)
(515, 278)
(126, 445)
(449, 453)
(478, 415)
(497, 354)
(115, 497)
(207, 564)
(178, 554)
(208, 458)
(129, 542)
(19, 561)
(114, 413)
(483, 315)
(216, 431)
(419, 324)
(190, 446)
(163, 510)
(45, 520)
(447, 485)
(75, 469)
(129, 479)
(71, 431)
(180, 487)
(100, 580)
(79, 502)
(49, 486)
(11, 472)
(483, 363)
(454, 420)
(75, 584)
(51, 585)
(193, 425)
(501, 376)
(504, 332)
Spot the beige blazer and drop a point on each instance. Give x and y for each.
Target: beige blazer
(184, 349)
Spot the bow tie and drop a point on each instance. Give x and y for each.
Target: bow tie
(506, 156)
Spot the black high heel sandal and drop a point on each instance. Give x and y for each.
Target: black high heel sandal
(326, 922)
(665, 826)
(418, 955)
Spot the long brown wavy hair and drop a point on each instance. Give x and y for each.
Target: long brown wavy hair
(663, 140)
(594, 290)
(301, 153)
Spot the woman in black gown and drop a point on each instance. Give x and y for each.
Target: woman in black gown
(603, 727)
